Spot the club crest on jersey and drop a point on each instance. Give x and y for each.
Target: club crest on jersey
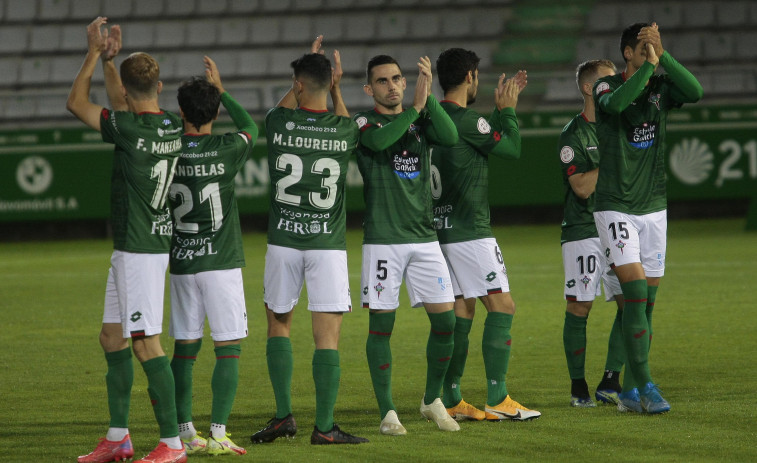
(620, 245)
(379, 287)
(315, 226)
(586, 280)
(414, 130)
(483, 126)
(654, 98)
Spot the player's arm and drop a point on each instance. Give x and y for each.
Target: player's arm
(340, 109)
(442, 130)
(616, 101)
(241, 118)
(78, 102)
(584, 184)
(503, 120)
(686, 87)
(113, 85)
(377, 138)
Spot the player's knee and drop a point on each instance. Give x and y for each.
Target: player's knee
(579, 308)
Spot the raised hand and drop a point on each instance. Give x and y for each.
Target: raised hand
(336, 71)
(97, 36)
(422, 87)
(112, 43)
(211, 73)
(651, 35)
(315, 47)
(507, 91)
(424, 67)
(521, 78)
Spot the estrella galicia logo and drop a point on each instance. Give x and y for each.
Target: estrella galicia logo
(406, 164)
(642, 136)
(135, 317)
(571, 283)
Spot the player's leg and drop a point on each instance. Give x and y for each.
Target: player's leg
(451, 391)
(118, 379)
(222, 295)
(186, 327)
(429, 284)
(283, 280)
(381, 278)
(327, 280)
(582, 265)
(609, 387)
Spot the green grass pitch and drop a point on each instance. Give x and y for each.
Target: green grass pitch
(52, 390)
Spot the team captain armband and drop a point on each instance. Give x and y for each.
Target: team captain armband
(602, 88)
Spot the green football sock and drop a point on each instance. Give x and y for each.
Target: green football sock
(224, 382)
(379, 354)
(636, 330)
(184, 356)
(496, 349)
(441, 342)
(326, 373)
(574, 343)
(280, 366)
(616, 352)
(161, 389)
(118, 380)
(452, 395)
(651, 296)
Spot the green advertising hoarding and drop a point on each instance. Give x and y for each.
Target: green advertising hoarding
(64, 174)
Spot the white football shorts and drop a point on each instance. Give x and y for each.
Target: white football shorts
(323, 270)
(216, 294)
(421, 265)
(634, 238)
(476, 268)
(134, 292)
(585, 266)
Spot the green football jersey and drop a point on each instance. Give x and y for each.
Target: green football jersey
(207, 235)
(632, 176)
(146, 152)
(579, 153)
(308, 157)
(460, 174)
(396, 179)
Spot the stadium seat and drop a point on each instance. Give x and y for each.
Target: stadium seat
(82, 11)
(685, 47)
(20, 106)
(426, 25)
(9, 76)
(331, 26)
(603, 18)
(596, 47)
(489, 22)
(214, 8)
(35, 70)
(188, 64)
(167, 63)
(360, 26)
(392, 26)
(63, 69)
(252, 63)
(200, 33)
(281, 60)
(73, 37)
(733, 13)
(264, 30)
(276, 5)
(699, 14)
(226, 60)
(296, 30)
(237, 7)
(51, 105)
(669, 15)
(339, 4)
(299, 6)
(353, 59)
(745, 45)
(169, 34)
(20, 10)
(138, 36)
(562, 89)
(251, 99)
(232, 31)
(457, 25)
(14, 39)
(178, 8)
(115, 9)
(44, 38)
(53, 9)
(719, 47)
(147, 9)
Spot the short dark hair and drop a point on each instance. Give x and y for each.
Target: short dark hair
(378, 60)
(315, 67)
(140, 74)
(199, 100)
(453, 65)
(588, 70)
(629, 37)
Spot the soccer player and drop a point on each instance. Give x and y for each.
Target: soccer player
(147, 144)
(308, 154)
(399, 238)
(584, 262)
(206, 254)
(631, 203)
(461, 215)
